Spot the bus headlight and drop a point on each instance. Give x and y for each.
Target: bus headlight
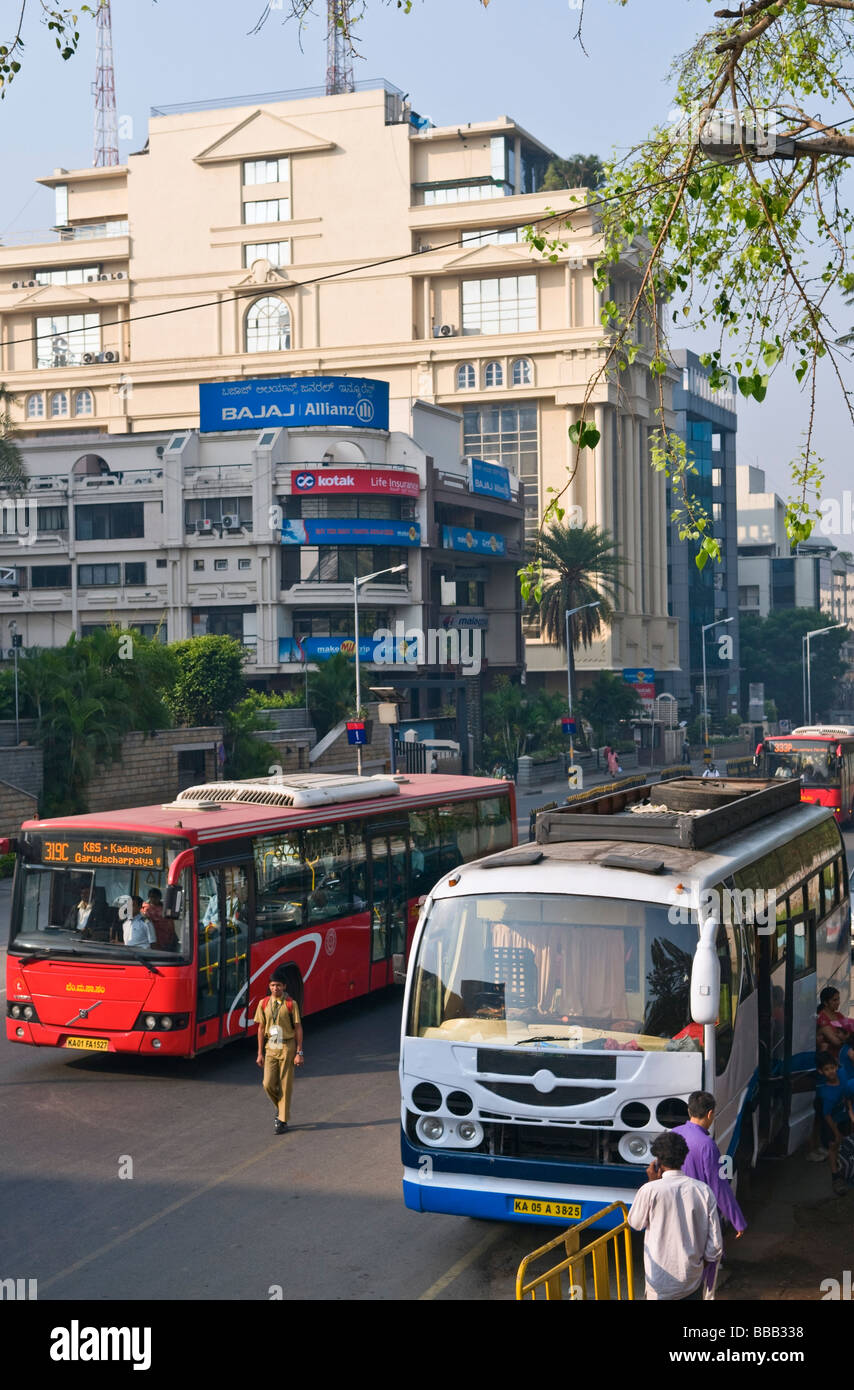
(430, 1129)
(469, 1133)
(635, 1148)
(150, 1021)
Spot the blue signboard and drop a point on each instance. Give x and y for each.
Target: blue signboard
(356, 733)
(287, 402)
(314, 531)
(478, 542)
(639, 675)
(568, 724)
(490, 479)
(378, 651)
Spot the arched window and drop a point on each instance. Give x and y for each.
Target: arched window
(35, 406)
(268, 325)
(523, 373)
(59, 404)
(494, 374)
(83, 404)
(465, 377)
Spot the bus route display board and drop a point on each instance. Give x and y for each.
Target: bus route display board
(91, 853)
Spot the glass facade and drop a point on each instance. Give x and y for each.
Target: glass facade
(508, 434)
(505, 305)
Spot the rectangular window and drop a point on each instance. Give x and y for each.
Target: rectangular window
(461, 193)
(748, 596)
(266, 171)
(278, 253)
(270, 210)
(161, 564)
(327, 857)
(220, 564)
(111, 521)
(64, 339)
(717, 477)
(97, 576)
(508, 435)
(198, 565)
(69, 275)
(53, 519)
(214, 509)
(223, 622)
(281, 884)
(505, 305)
(135, 573)
(244, 564)
(50, 577)
(490, 236)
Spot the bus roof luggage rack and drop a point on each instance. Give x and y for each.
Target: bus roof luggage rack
(690, 812)
(310, 789)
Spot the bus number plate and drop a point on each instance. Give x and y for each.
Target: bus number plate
(526, 1207)
(88, 1044)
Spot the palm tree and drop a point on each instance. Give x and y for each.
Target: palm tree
(13, 475)
(580, 566)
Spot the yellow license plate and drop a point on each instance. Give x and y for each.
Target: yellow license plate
(528, 1207)
(88, 1044)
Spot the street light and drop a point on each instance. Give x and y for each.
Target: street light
(707, 627)
(364, 579)
(816, 632)
(16, 642)
(569, 614)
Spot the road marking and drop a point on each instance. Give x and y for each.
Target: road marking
(190, 1197)
(462, 1264)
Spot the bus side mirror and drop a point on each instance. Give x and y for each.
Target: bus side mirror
(706, 976)
(173, 902)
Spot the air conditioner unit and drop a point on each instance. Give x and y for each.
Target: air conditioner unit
(110, 356)
(205, 526)
(31, 284)
(444, 330)
(103, 277)
(230, 522)
(90, 278)
(119, 275)
(90, 357)
(160, 450)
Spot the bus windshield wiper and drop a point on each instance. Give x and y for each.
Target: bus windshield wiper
(547, 1037)
(137, 956)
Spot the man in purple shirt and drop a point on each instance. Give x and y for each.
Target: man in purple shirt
(704, 1162)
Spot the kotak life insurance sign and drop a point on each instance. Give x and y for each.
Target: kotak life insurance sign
(328, 482)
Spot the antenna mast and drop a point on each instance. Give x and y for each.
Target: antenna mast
(104, 89)
(339, 60)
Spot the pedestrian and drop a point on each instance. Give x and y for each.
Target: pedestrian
(613, 762)
(704, 1162)
(835, 1102)
(686, 751)
(711, 771)
(832, 1028)
(679, 1217)
(279, 1047)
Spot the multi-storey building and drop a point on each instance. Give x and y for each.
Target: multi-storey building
(305, 234)
(261, 537)
(771, 575)
(707, 421)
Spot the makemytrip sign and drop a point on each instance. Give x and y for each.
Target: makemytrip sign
(330, 482)
(478, 542)
(292, 402)
(312, 649)
(466, 622)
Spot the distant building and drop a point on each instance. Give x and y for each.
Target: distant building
(707, 421)
(771, 575)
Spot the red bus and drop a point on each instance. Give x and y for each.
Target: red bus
(319, 874)
(822, 755)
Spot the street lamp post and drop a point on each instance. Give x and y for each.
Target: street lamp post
(707, 627)
(364, 579)
(816, 632)
(13, 628)
(569, 613)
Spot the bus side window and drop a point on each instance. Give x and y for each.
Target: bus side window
(803, 933)
(728, 954)
(829, 888)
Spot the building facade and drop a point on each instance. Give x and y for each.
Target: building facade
(260, 535)
(770, 574)
(312, 234)
(707, 421)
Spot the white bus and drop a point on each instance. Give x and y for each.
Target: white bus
(563, 999)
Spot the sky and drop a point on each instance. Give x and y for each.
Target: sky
(457, 61)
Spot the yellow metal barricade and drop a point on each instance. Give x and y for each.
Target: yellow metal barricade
(599, 1269)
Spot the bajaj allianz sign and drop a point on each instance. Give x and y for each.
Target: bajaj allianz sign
(293, 401)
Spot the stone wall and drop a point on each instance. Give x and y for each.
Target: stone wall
(16, 806)
(23, 767)
(147, 772)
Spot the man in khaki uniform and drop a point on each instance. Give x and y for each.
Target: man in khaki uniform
(279, 1048)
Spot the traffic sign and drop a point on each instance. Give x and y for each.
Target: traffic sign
(356, 732)
(567, 723)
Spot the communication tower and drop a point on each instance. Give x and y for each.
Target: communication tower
(339, 60)
(104, 89)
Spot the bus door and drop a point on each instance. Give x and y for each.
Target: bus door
(389, 899)
(775, 1027)
(223, 953)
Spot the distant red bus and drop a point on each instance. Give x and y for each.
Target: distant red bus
(822, 756)
(320, 875)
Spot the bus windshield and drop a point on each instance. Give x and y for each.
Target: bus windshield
(92, 911)
(578, 971)
(815, 763)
